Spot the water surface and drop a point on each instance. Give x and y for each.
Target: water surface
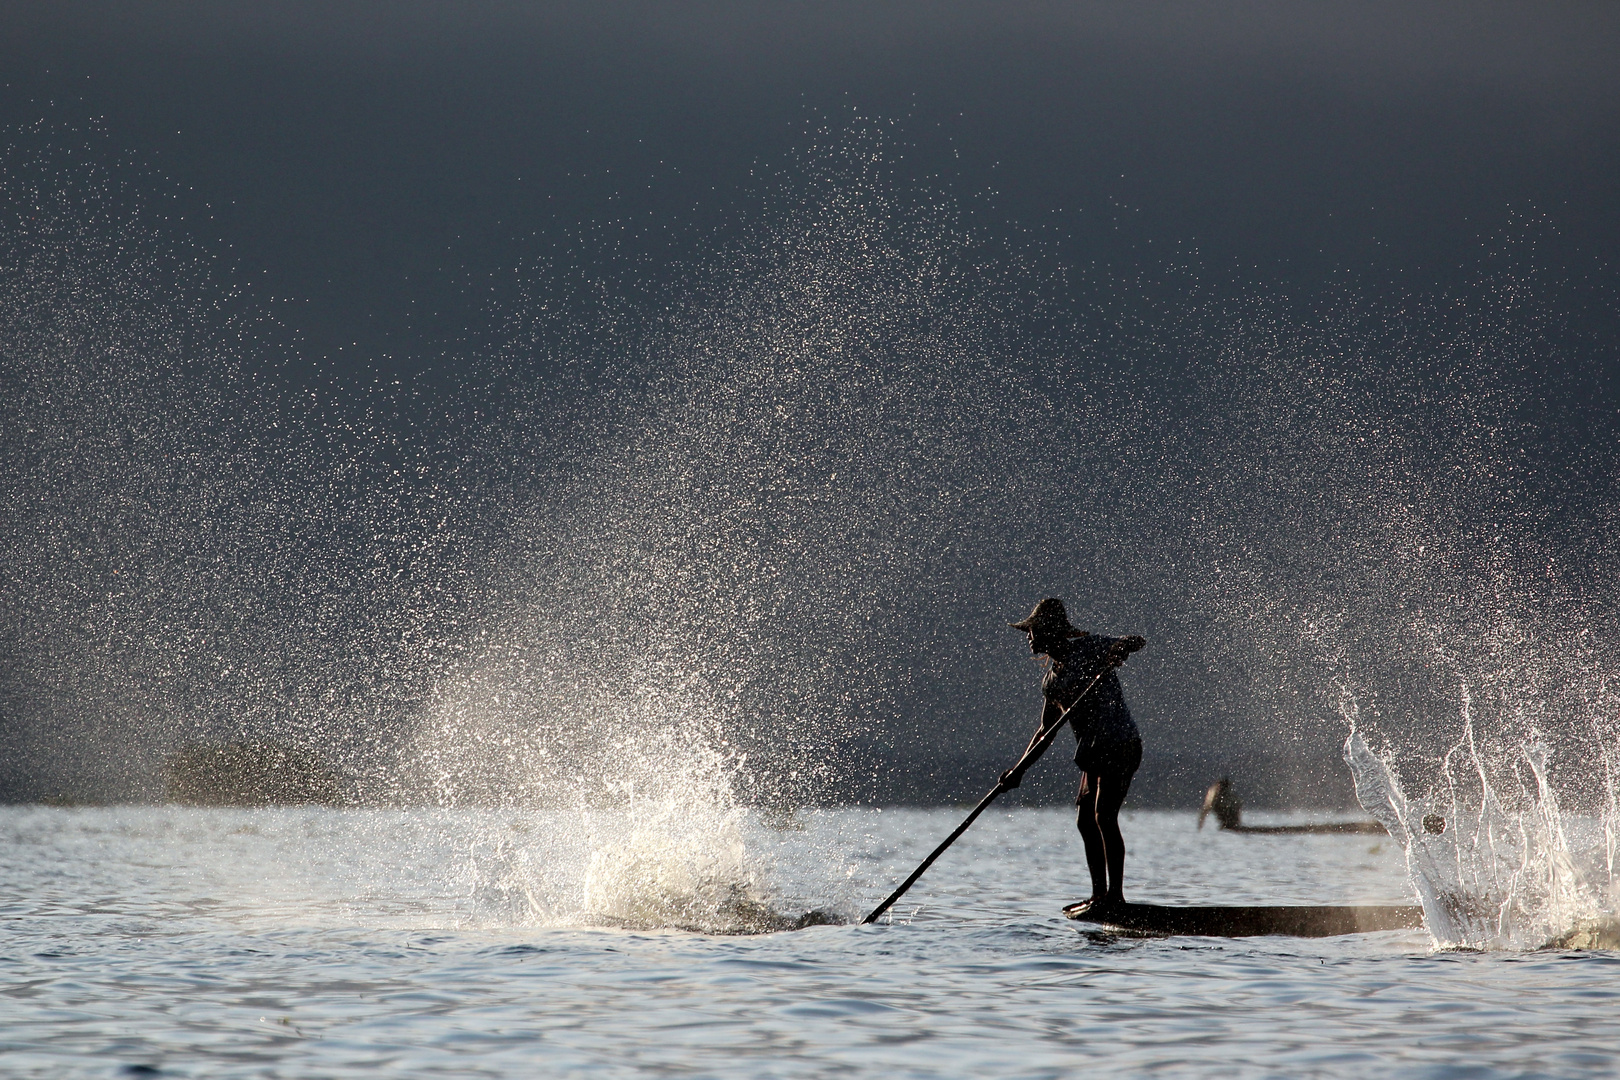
(318, 943)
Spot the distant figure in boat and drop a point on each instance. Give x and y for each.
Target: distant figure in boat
(1108, 746)
(1222, 802)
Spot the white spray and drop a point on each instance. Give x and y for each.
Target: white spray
(1497, 865)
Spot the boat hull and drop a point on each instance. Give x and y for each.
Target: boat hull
(1289, 920)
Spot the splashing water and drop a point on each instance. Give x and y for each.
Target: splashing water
(664, 844)
(676, 853)
(678, 870)
(1498, 865)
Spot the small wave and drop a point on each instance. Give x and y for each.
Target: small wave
(1596, 934)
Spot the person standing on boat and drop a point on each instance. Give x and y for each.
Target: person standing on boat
(1108, 746)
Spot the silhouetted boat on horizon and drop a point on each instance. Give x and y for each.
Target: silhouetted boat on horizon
(1223, 804)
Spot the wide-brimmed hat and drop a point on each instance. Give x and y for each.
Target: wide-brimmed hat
(1049, 617)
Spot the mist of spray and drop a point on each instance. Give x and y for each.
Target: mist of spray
(749, 537)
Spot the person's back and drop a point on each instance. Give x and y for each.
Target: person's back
(1101, 720)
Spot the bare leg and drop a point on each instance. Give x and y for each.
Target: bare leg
(1110, 797)
(1085, 819)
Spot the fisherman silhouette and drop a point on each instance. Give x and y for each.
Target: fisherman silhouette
(1222, 801)
(1108, 746)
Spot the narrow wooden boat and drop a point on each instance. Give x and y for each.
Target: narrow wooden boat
(1288, 920)
(1221, 800)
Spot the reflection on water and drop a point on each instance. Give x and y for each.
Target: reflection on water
(317, 942)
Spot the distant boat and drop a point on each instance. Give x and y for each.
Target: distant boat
(1222, 802)
(1288, 920)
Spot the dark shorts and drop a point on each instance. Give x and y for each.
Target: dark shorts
(1117, 762)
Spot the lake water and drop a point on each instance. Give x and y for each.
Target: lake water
(143, 941)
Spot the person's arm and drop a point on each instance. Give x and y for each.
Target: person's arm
(1114, 654)
(1051, 714)
(1120, 648)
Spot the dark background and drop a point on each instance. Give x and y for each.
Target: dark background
(363, 163)
(367, 176)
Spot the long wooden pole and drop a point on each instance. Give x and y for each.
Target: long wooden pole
(1035, 750)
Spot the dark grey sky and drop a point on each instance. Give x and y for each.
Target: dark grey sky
(363, 160)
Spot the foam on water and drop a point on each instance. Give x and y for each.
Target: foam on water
(684, 874)
(653, 836)
(675, 854)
